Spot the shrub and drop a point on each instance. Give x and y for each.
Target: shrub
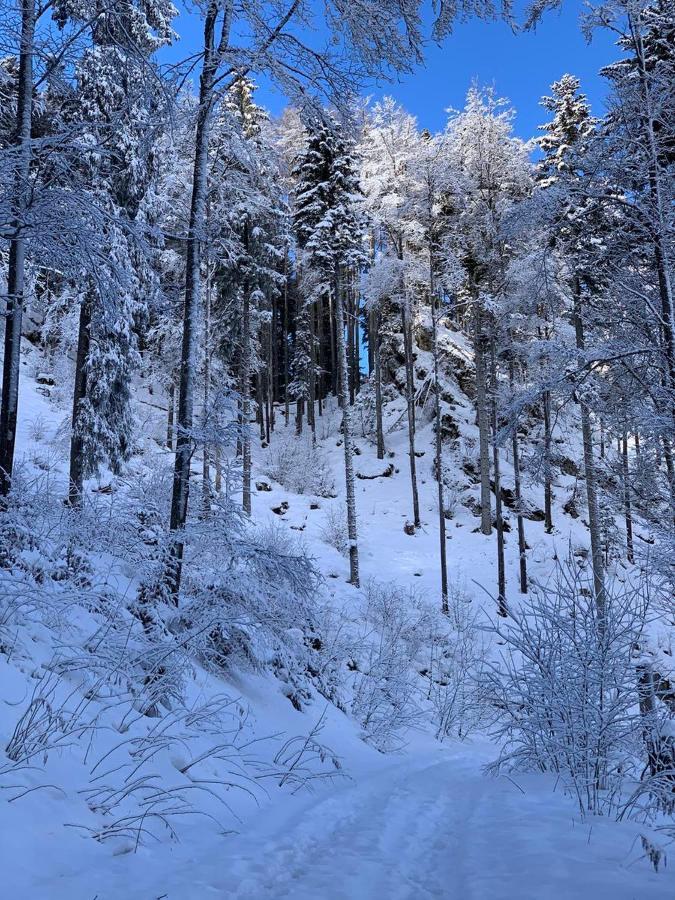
(299, 466)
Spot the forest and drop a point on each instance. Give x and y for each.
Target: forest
(337, 459)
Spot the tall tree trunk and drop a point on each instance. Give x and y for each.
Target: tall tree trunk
(17, 247)
(206, 459)
(548, 469)
(410, 404)
(260, 405)
(321, 347)
(189, 350)
(351, 345)
(375, 338)
(483, 421)
(273, 370)
(347, 434)
(332, 340)
(522, 545)
(171, 409)
(357, 337)
(79, 395)
(287, 401)
(311, 407)
(627, 508)
(245, 386)
(439, 446)
(499, 520)
(591, 480)
(219, 470)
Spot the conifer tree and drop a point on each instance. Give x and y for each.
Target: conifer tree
(118, 103)
(330, 234)
(578, 225)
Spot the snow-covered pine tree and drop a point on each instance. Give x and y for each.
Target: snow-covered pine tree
(119, 104)
(578, 231)
(329, 229)
(387, 150)
(492, 174)
(640, 140)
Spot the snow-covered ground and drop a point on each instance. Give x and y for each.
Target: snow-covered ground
(424, 822)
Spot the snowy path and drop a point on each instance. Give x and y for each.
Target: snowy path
(430, 827)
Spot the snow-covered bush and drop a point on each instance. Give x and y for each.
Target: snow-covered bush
(565, 688)
(299, 466)
(334, 528)
(387, 689)
(115, 692)
(456, 667)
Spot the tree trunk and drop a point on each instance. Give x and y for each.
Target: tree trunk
(245, 386)
(219, 470)
(410, 403)
(347, 434)
(375, 339)
(548, 492)
(351, 351)
(273, 370)
(333, 351)
(371, 338)
(189, 350)
(287, 402)
(321, 348)
(206, 460)
(591, 480)
(311, 407)
(357, 337)
(260, 405)
(501, 569)
(628, 513)
(17, 248)
(483, 423)
(79, 394)
(439, 449)
(171, 407)
(522, 545)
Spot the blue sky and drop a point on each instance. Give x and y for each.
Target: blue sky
(521, 67)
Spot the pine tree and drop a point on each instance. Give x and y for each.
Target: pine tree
(578, 225)
(118, 111)
(330, 235)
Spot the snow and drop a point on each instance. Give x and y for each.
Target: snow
(426, 822)
(430, 825)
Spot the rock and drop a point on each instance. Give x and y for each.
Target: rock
(409, 528)
(387, 473)
(534, 515)
(263, 486)
(45, 378)
(571, 507)
(281, 509)
(472, 504)
(568, 466)
(449, 428)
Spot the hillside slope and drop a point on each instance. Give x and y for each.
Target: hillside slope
(230, 790)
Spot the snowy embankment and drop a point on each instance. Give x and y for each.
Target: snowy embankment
(269, 815)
